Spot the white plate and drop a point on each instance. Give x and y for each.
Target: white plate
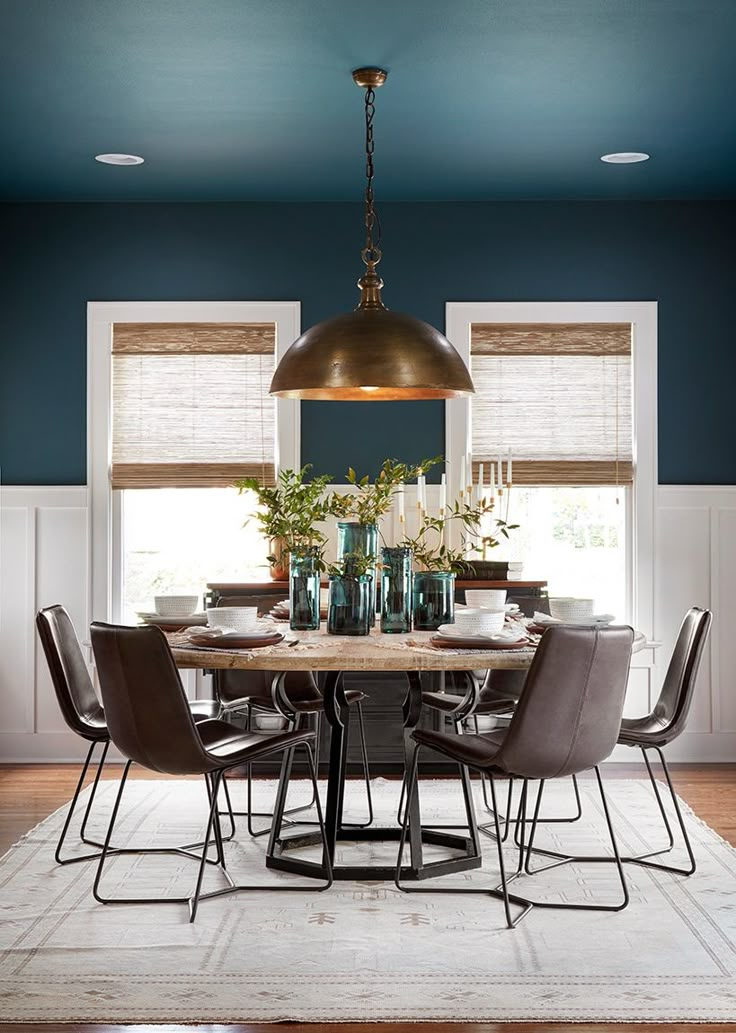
(194, 619)
(451, 631)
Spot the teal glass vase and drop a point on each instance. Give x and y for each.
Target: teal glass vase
(354, 539)
(434, 599)
(396, 590)
(348, 607)
(303, 590)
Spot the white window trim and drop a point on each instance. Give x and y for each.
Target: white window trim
(105, 554)
(460, 315)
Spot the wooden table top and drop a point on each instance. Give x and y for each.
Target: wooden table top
(318, 651)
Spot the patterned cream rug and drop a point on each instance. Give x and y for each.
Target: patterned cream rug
(363, 951)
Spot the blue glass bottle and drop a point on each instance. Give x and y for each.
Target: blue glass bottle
(348, 608)
(358, 540)
(434, 599)
(396, 590)
(303, 590)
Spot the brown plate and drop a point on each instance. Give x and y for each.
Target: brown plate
(488, 644)
(233, 640)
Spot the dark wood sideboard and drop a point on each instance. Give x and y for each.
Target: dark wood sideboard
(385, 690)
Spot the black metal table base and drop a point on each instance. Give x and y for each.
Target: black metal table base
(280, 849)
(469, 859)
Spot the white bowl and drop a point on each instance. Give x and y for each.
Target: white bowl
(233, 618)
(175, 605)
(486, 598)
(479, 622)
(566, 608)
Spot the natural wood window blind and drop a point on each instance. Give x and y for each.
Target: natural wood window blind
(559, 396)
(190, 404)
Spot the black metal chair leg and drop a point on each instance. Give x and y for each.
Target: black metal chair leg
(92, 794)
(644, 859)
(366, 774)
(70, 813)
(212, 822)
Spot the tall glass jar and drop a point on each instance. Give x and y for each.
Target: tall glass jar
(434, 599)
(396, 590)
(358, 540)
(348, 607)
(304, 590)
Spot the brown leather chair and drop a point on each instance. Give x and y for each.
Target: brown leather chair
(81, 710)
(667, 721)
(498, 696)
(567, 721)
(149, 721)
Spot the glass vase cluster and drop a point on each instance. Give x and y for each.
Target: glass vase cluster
(349, 605)
(355, 539)
(304, 589)
(434, 599)
(396, 590)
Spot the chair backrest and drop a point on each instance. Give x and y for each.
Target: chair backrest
(147, 711)
(678, 687)
(73, 686)
(569, 715)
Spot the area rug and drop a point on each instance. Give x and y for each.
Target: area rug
(364, 951)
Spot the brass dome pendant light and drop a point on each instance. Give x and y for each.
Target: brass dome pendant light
(371, 354)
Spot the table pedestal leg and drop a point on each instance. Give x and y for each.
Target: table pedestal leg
(337, 714)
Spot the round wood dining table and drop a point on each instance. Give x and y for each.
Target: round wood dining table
(411, 654)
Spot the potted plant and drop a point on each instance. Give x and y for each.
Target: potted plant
(288, 514)
(434, 581)
(361, 508)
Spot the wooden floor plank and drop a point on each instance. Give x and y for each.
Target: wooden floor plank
(28, 793)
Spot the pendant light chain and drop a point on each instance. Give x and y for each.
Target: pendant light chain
(371, 253)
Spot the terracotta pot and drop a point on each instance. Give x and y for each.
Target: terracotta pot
(279, 570)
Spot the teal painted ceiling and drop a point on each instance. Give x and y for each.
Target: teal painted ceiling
(252, 99)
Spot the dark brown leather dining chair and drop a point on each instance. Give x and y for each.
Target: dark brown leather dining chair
(82, 711)
(150, 722)
(567, 721)
(667, 721)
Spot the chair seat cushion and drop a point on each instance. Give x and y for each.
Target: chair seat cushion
(644, 731)
(447, 702)
(204, 709)
(227, 745)
(479, 751)
(308, 705)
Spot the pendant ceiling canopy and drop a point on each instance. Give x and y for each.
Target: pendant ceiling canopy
(371, 354)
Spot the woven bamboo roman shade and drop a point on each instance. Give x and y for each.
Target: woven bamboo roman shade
(191, 407)
(558, 395)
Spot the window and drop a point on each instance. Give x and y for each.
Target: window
(569, 390)
(179, 409)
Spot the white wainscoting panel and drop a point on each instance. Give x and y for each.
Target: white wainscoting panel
(696, 566)
(44, 551)
(43, 560)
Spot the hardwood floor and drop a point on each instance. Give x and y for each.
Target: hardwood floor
(28, 793)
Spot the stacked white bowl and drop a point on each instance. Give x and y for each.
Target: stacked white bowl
(566, 608)
(243, 619)
(470, 621)
(175, 605)
(486, 598)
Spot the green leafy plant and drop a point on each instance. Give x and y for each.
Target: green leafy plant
(353, 566)
(370, 500)
(289, 510)
(429, 544)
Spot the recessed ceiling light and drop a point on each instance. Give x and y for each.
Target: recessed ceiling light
(119, 159)
(624, 157)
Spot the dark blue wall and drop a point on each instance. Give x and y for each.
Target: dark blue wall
(56, 257)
